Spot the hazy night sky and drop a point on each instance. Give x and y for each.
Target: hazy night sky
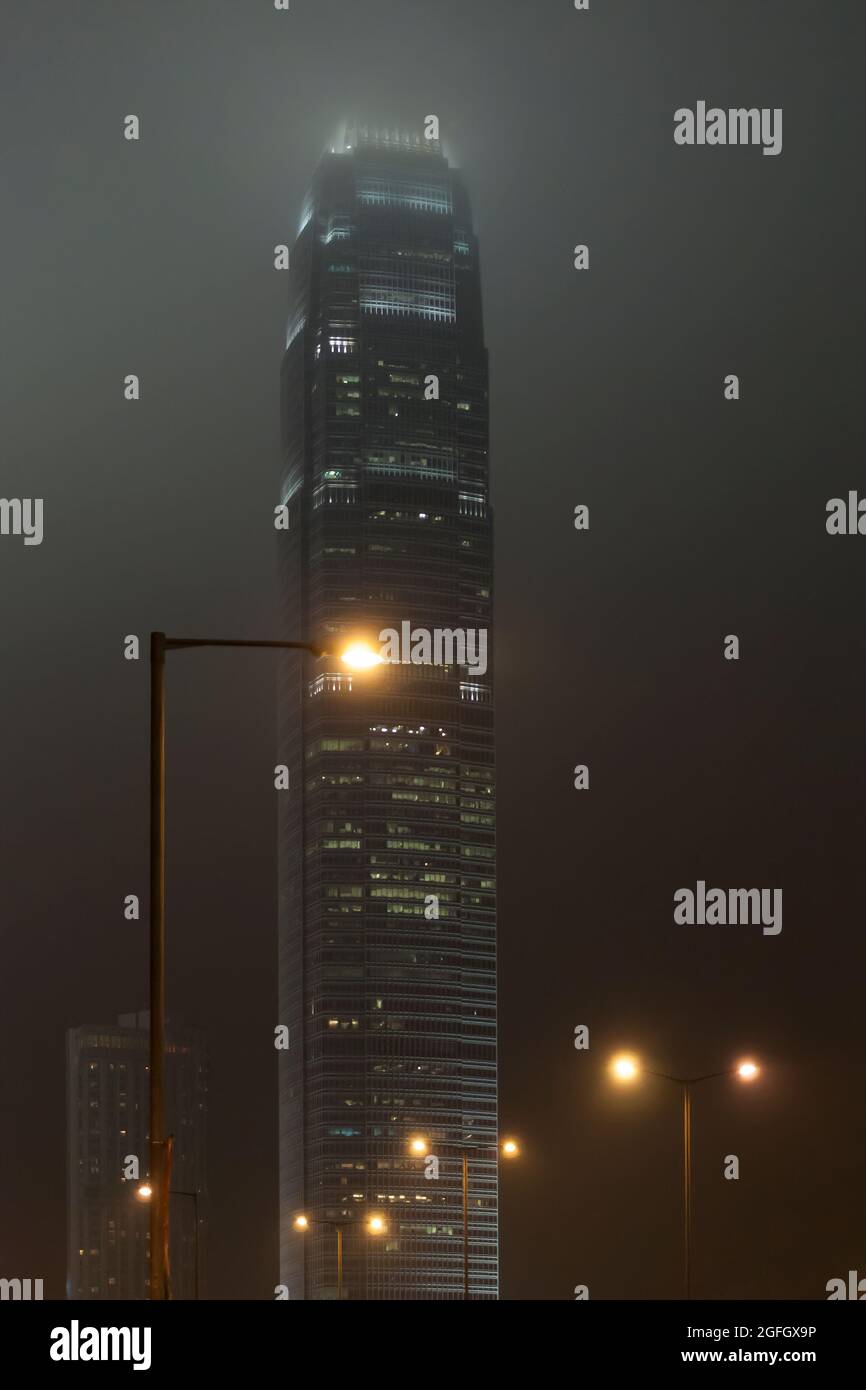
(707, 518)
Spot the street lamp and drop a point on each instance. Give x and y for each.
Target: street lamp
(625, 1067)
(159, 1160)
(374, 1225)
(507, 1148)
(360, 656)
(144, 1193)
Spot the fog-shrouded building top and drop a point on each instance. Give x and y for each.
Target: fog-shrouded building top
(387, 841)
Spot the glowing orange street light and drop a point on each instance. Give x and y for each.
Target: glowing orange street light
(375, 1226)
(360, 656)
(625, 1067)
(508, 1148)
(144, 1192)
(160, 1143)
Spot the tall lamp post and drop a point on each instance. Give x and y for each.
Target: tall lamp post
(508, 1148)
(145, 1194)
(360, 656)
(627, 1068)
(375, 1226)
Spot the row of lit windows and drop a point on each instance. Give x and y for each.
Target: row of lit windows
(404, 193)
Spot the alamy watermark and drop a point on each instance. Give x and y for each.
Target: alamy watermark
(441, 646)
(22, 516)
(77, 1343)
(854, 1289)
(21, 1290)
(736, 126)
(729, 907)
(846, 516)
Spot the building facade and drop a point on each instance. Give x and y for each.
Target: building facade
(387, 839)
(108, 1123)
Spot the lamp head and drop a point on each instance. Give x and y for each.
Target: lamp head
(360, 656)
(625, 1067)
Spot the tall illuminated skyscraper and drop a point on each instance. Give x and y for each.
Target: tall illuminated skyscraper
(387, 840)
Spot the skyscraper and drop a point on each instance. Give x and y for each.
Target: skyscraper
(107, 1123)
(387, 840)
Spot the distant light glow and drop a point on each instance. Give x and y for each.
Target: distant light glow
(360, 656)
(748, 1070)
(624, 1067)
